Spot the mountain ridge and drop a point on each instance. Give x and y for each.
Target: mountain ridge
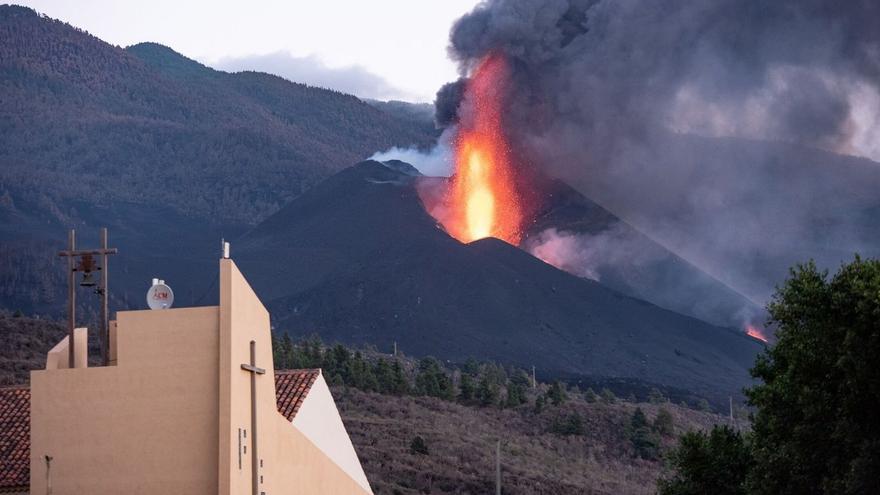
(95, 135)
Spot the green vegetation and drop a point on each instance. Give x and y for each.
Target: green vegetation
(814, 428)
(556, 394)
(608, 396)
(664, 424)
(484, 384)
(147, 125)
(473, 383)
(432, 381)
(714, 462)
(590, 395)
(645, 439)
(655, 396)
(569, 424)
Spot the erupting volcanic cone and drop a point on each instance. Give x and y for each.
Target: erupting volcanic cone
(483, 199)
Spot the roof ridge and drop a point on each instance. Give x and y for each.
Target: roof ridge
(14, 387)
(297, 370)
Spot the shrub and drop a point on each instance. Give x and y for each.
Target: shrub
(655, 396)
(608, 396)
(663, 423)
(418, 446)
(590, 395)
(703, 405)
(556, 394)
(570, 424)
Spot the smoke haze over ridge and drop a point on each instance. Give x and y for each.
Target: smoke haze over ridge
(717, 128)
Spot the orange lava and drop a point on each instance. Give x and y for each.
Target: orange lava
(482, 198)
(756, 332)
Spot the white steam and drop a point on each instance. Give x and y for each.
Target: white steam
(436, 162)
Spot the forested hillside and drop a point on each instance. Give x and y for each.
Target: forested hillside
(169, 154)
(82, 120)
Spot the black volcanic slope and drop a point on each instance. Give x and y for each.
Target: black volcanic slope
(629, 261)
(358, 260)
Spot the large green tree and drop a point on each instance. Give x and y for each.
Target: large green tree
(708, 463)
(816, 428)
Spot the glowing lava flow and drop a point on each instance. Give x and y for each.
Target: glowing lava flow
(755, 332)
(482, 198)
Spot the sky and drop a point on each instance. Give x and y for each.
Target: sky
(383, 49)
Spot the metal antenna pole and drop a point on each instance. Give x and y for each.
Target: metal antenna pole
(71, 298)
(105, 306)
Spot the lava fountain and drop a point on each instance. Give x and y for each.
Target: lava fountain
(756, 332)
(482, 198)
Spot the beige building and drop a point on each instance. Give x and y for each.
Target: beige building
(190, 404)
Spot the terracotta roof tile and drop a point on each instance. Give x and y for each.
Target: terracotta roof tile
(15, 437)
(291, 388)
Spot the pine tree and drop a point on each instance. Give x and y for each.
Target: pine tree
(516, 395)
(556, 394)
(286, 351)
(384, 377)
(540, 402)
(590, 395)
(471, 367)
(655, 396)
(663, 423)
(467, 391)
(608, 396)
(432, 381)
(488, 391)
(399, 381)
(360, 374)
(645, 441)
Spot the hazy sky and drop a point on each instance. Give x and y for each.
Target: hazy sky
(373, 48)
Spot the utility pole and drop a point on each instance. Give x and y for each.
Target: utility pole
(395, 348)
(498, 467)
(732, 420)
(534, 382)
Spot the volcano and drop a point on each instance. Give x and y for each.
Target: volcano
(358, 260)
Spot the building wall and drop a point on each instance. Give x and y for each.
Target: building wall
(145, 426)
(292, 464)
(318, 419)
(166, 418)
(242, 319)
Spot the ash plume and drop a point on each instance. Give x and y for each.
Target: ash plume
(715, 127)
